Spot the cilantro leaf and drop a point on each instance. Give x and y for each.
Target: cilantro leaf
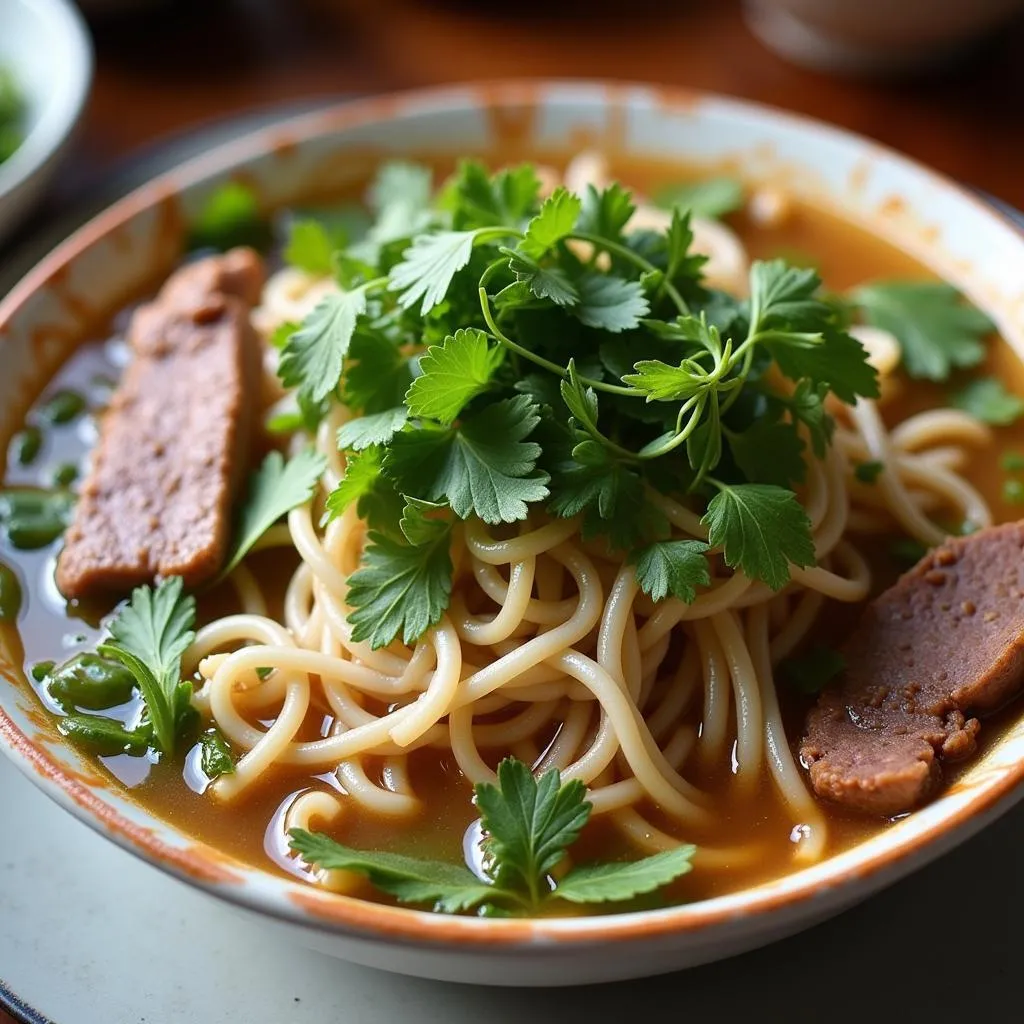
(309, 247)
(663, 383)
(611, 303)
(937, 331)
(781, 294)
(544, 282)
(606, 213)
(312, 357)
(604, 883)
(452, 887)
(274, 490)
(762, 529)
(377, 373)
(400, 196)
(483, 467)
(674, 567)
(483, 201)
(837, 359)
(810, 673)
(769, 453)
(103, 736)
(377, 428)
(453, 373)
(428, 266)
(529, 823)
(148, 636)
(710, 197)
(401, 588)
(987, 400)
(807, 406)
(681, 263)
(215, 755)
(362, 473)
(556, 219)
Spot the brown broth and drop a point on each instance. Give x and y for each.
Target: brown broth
(845, 256)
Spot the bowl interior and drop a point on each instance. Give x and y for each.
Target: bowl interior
(132, 245)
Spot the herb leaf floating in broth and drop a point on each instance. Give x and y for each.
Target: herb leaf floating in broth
(710, 197)
(274, 490)
(32, 518)
(529, 825)
(215, 755)
(230, 216)
(938, 332)
(987, 399)
(148, 636)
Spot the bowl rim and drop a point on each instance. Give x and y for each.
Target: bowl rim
(62, 108)
(202, 865)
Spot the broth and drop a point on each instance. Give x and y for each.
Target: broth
(250, 829)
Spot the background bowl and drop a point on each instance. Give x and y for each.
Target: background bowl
(46, 44)
(135, 242)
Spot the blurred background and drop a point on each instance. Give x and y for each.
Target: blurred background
(939, 79)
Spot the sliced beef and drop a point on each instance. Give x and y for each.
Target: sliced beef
(174, 441)
(944, 644)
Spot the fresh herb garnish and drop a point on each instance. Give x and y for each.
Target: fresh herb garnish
(25, 446)
(12, 111)
(32, 518)
(675, 567)
(937, 331)
(215, 755)
(868, 472)
(528, 825)
(1013, 492)
(274, 490)
(709, 197)
(148, 636)
(229, 216)
(1012, 462)
(812, 671)
(105, 736)
(502, 355)
(10, 594)
(987, 400)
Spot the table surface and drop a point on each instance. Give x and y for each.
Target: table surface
(193, 61)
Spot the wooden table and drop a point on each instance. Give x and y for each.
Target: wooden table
(203, 59)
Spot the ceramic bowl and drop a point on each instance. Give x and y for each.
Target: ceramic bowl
(135, 242)
(46, 45)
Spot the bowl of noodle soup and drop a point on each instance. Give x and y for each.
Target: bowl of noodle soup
(678, 712)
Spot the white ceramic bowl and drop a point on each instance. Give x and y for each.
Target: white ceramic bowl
(133, 244)
(46, 44)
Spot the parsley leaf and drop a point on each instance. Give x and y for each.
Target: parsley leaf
(274, 490)
(556, 219)
(611, 303)
(530, 823)
(606, 213)
(937, 331)
(674, 567)
(710, 197)
(807, 406)
(837, 359)
(769, 453)
(312, 357)
(400, 196)
(603, 883)
(229, 216)
(483, 467)
(148, 636)
(483, 201)
(810, 673)
(377, 373)
(401, 588)
(451, 887)
(453, 373)
(428, 266)
(544, 282)
(987, 400)
(377, 428)
(762, 529)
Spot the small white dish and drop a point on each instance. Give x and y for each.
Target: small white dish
(46, 44)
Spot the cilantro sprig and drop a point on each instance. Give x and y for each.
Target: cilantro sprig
(529, 825)
(503, 356)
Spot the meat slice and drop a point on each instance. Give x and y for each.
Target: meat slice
(942, 645)
(174, 441)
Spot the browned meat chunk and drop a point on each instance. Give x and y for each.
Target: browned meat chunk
(945, 643)
(174, 442)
